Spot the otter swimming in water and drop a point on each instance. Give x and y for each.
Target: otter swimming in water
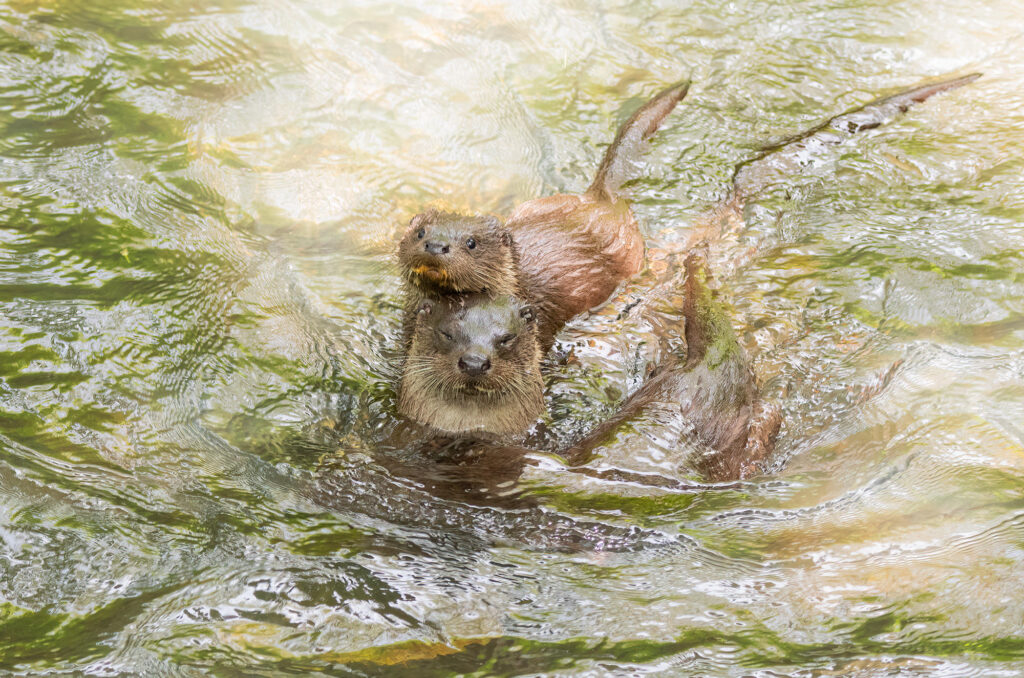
(702, 394)
(441, 484)
(473, 366)
(793, 154)
(565, 253)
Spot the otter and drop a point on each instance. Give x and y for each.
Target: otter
(794, 153)
(702, 392)
(565, 254)
(473, 366)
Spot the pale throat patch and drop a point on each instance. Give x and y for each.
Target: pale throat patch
(486, 414)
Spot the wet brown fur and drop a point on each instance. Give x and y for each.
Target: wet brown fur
(702, 391)
(505, 399)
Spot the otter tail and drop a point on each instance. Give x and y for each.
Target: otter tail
(640, 127)
(794, 153)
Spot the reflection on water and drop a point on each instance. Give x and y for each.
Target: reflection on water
(198, 206)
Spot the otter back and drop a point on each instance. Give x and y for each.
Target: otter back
(574, 251)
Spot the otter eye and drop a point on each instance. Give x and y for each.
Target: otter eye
(446, 335)
(420, 233)
(506, 340)
(471, 243)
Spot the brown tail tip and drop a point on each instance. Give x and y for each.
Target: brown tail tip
(677, 91)
(662, 104)
(639, 128)
(953, 83)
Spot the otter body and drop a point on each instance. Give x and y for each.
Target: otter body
(565, 253)
(574, 251)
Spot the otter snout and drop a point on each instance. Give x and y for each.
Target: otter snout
(474, 365)
(436, 248)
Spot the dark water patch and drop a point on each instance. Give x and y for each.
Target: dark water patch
(40, 639)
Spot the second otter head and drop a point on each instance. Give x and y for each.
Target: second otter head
(447, 253)
(474, 366)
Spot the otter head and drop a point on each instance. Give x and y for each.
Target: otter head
(473, 366)
(446, 253)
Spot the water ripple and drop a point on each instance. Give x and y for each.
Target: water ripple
(198, 213)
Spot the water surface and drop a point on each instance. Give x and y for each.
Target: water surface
(199, 205)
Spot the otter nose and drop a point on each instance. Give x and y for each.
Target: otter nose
(474, 365)
(436, 247)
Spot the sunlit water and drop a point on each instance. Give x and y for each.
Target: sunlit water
(199, 204)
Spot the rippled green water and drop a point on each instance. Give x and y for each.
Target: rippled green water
(198, 207)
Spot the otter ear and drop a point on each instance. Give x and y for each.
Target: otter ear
(425, 308)
(425, 217)
(494, 224)
(528, 314)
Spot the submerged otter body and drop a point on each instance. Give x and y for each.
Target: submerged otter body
(565, 253)
(473, 366)
(702, 393)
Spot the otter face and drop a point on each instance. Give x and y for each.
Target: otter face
(444, 253)
(474, 366)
